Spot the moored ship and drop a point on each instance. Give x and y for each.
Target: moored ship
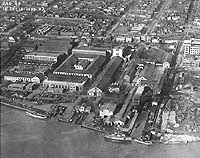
(117, 137)
(36, 115)
(145, 142)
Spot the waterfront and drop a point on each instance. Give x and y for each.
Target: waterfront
(23, 136)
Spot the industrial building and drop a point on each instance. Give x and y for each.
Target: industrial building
(24, 77)
(69, 83)
(192, 47)
(103, 80)
(71, 66)
(151, 76)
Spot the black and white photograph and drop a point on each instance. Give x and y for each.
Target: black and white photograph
(100, 78)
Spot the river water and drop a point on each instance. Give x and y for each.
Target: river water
(25, 137)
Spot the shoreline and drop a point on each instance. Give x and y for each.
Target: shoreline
(13, 106)
(166, 142)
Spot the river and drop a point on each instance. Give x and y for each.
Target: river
(25, 137)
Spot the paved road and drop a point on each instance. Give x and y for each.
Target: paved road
(165, 6)
(118, 22)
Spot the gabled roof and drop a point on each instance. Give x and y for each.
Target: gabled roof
(151, 72)
(67, 64)
(104, 78)
(97, 63)
(84, 63)
(87, 56)
(131, 70)
(90, 50)
(148, 72)
(41, 76)
(26, 75)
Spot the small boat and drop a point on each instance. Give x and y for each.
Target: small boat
(118, 137)
(36, 115)
(143, 142)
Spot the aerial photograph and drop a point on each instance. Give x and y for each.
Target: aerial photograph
(100, 78)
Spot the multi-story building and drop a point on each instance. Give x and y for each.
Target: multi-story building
(70, 83)
(75, 71)
(24, 77)
(42, 56)
(192, 47)
(73, 66)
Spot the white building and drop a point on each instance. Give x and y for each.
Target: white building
(70, 83)
(24, 77)
(107, 109)
(192, 47)
(42, 56)
(118, 51)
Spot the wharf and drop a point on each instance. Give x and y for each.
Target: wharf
(87, 124)
(92, 128)
(139, 124)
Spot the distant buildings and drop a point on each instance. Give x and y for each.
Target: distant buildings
(192, 47)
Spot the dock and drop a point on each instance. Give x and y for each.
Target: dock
(139, 124)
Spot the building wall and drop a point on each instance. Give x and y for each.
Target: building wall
(14, 79)
(24, 79)
(192, 47)
(105, 113)
(66, 85)
(74, 74)
(118, 51)
(35, 79)
(166, 65)
(95, 92)
(38, 57)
